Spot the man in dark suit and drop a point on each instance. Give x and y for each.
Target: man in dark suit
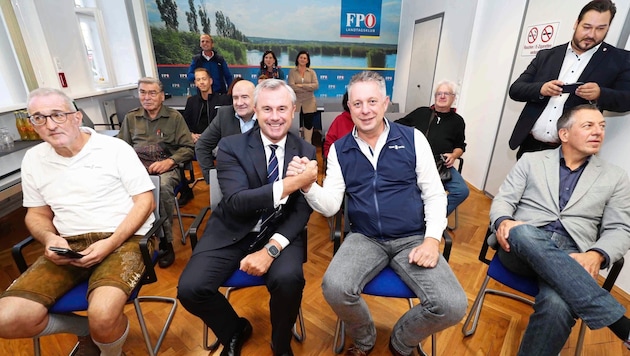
(601, 71)
(230, 120)
(233, 228)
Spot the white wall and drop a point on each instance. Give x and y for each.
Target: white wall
(481, 53)
(454, 43)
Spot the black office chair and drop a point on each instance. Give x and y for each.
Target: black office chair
(76, 299)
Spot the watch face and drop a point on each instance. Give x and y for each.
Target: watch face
(273, 251)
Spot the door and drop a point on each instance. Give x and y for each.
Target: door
(424, 52)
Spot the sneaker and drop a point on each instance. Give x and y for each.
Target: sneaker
(86, 347)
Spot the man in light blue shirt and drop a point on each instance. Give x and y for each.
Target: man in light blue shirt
(230, 120)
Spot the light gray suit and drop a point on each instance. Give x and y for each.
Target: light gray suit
(596, 216)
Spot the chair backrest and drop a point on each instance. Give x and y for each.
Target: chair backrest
(87, 122)
(393, 107)
(215, 189)
(155, 179)
(123, 106)
(327, 119)
(295, 125)
(393, 116)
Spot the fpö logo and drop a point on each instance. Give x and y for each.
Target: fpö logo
(165, 75)
(360, 20)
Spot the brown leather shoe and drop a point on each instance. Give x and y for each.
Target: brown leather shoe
(355, 351)
(87, 347)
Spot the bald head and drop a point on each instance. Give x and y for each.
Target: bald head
(243, 99)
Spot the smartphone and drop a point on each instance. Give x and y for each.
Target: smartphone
(66, 252)
(570, 87)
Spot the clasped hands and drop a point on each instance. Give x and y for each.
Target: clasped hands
(302, 167)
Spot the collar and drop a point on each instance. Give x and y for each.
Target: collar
(236, 115)
(207, 57)
(589, 52)
(266, 142)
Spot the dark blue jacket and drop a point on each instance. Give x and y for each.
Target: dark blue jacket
(386, 202)
(218, 68)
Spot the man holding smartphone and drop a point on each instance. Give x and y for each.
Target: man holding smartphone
(89, 194)
(585, 70)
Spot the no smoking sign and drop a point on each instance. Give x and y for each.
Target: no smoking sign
(539, 37)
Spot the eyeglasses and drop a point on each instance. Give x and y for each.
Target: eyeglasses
(151, 93)
(56, 117)
(443, 93)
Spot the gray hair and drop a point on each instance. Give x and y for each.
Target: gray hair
(566, 119)
(450, 84)
(150, 80)
(368, 76)
(40, 92)
(273, 84)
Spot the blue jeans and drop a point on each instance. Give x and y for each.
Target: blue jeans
(567, 291)
(359, 259)
(457, 191)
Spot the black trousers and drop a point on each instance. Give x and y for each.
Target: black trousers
(208, 268)
(533, 145)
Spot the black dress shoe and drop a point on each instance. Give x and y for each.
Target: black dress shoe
(167, 255)
(238, 339)
(185, 196)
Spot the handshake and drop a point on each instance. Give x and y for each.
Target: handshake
(303, 171)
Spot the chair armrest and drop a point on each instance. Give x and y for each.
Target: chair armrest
(483, 253)
(18, 255)
(448, 244)
(337, 233)
(192, 231)
(461, 165)
(147, 256)
(613, 274)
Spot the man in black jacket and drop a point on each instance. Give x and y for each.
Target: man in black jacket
(201, 108)
(601, 72)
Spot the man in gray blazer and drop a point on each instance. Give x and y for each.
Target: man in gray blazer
(561, 215)
(230, 120)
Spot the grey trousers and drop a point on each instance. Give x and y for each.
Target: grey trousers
(359, 259)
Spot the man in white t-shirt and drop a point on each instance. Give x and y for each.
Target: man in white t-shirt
(90, 193)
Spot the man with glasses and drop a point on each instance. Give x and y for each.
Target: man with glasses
(444, 129)
(162, 140)
(89, 193)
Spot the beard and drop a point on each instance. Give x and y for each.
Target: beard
(585, 43)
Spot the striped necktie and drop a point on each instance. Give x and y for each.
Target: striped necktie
(272, 167)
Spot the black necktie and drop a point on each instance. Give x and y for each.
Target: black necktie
(267, 218)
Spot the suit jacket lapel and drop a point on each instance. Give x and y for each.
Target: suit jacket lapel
(598, 56)
(290, 150)
(591, 172)
(257, 154)
(552, 172)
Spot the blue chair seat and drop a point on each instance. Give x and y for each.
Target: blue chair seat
(76, 299)
(498, 272)
(240, 279)
(388, 284)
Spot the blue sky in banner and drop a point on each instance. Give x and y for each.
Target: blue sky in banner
(286, 19)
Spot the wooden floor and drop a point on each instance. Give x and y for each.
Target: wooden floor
(500, 328)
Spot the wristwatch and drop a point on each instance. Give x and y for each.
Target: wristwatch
(272, 250)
